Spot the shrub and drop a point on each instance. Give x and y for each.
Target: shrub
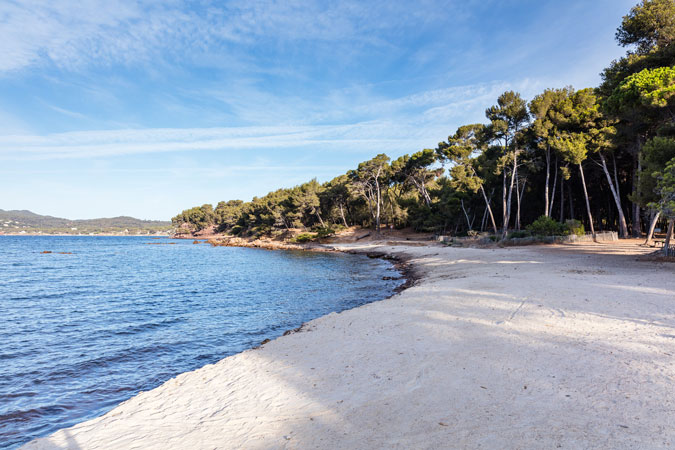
(304, 237)
(324, 232)
(519, 234)
(546, 226)
(575, 227)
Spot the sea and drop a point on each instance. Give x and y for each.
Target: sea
(87, 322)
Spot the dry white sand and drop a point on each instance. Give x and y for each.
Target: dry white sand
(537, 347)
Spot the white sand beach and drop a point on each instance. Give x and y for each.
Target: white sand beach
(532, 347)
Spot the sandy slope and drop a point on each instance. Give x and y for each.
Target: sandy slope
(537, 347)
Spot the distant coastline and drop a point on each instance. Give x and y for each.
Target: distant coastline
(165, 235)
(24, 222)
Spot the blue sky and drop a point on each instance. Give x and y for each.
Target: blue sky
(146, 108)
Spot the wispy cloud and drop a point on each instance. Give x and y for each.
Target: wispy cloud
(363, 137)
(71, 33)
(405, 124)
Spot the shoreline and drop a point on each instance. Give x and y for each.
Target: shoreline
(400, 373)
(400, 263)
(87, 235)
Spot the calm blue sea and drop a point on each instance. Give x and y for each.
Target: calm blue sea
(82, 332)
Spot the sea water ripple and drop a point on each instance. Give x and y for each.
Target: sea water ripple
(88, 328)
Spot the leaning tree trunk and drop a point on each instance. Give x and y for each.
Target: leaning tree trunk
(468, 222)
(588, 203)
(623, 228)
(323, 225)
(555, 182)
(669, 235)
(487, 205)
(342, 214)
(507, 213)
(652, 227)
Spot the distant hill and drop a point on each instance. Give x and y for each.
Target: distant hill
(23, 221)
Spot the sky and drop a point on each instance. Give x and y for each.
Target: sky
(142, 108)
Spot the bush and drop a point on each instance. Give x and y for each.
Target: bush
(519, 234)
(324, 232)
(546, 226)
(304, 237)
(575, 227)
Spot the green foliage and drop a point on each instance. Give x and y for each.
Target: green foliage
(460, 151)
(546, 226)
(196, 218)
(304, 238)
(507, 117)
(649, 25)
(227, 214)
(573, 147)
(563, 130)
(665, 190)
(575, 227)
(324, 232)
(656, 154)
(648, 88)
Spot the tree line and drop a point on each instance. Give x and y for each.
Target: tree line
(603, 156)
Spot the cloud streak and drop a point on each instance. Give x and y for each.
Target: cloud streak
(70, 34)
(363, 137)
(402, 125)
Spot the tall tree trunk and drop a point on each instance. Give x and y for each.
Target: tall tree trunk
(569, 194)
(468, 222)
(482, 221)
(349, 213)
(548, 177)
(393, 212)
(637, 229)
(669, 235)
(487, 205)
(623, 229)
(517, 202)
(652, 226)
(323, 225)
(588, 203)
(555, 181)
(507, 213)
(504, 217)
(562, 199)
(520, 199)
(425, 193)
(342, 214)
(379, 200)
